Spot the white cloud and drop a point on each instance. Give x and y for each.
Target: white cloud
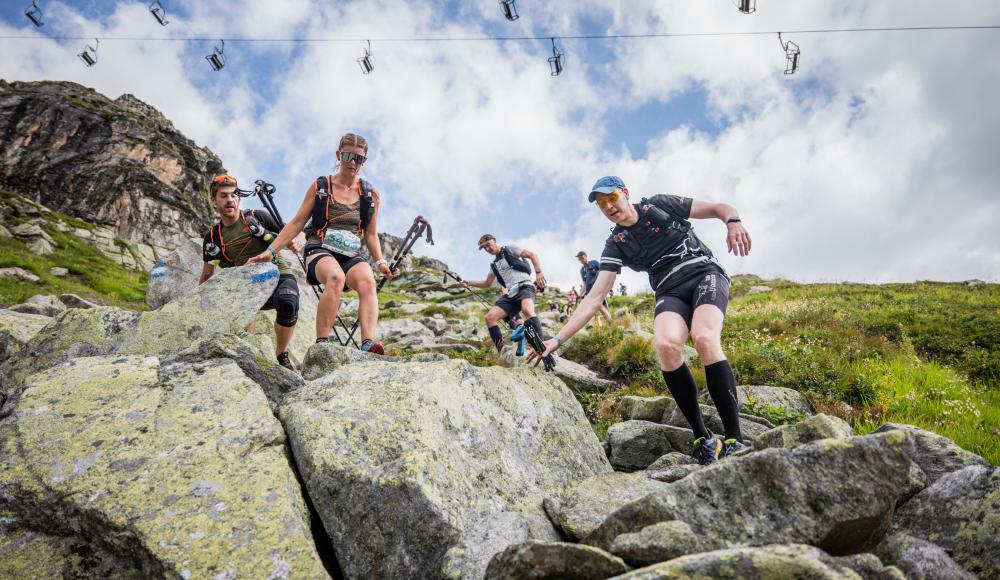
(875, 162)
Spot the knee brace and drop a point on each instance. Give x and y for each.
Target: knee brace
(286, 305)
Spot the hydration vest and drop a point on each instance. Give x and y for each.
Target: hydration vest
(516, 262)
(321, 206)
(252, 225)
(653, 217)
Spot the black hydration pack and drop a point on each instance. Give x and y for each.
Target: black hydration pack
(516, 262)
(321, 206)
(653, 217)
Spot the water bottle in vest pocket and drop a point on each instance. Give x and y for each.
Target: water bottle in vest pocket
(342, 242)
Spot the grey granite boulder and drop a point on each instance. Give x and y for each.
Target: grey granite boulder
(175, 275)
(325, 358)
(401, 459)
(920, 559)
(659, 543)
(41, 304)
(637, 444)
(671, 474)
(779, 397)
(646, 408)
(796, 495)
(16, 329)
(179, 469)
(74, 301)
(937, 455)
(750, 426)
(553, 560)
(672, 459)
(468, 559)
(575, 375)
(961, 513)
(773, 561)
(811, 429)
(584, 506)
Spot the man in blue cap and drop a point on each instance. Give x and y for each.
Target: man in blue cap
(692, 292)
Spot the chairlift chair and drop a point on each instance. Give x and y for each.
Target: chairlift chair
(217, 59)
(792, 53)
(747, 6)
(159, 12)
(34, 14)
(509, 10)
(556, 60)
(367, 62)
(89, 54)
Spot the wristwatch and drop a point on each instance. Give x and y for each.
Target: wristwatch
(735, 218)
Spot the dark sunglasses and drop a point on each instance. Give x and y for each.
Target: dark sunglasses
(347, 157)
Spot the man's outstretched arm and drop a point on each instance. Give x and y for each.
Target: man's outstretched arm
(738, 238)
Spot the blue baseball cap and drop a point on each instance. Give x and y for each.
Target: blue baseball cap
(606, 184)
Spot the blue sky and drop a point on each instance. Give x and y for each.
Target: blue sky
(836, 170)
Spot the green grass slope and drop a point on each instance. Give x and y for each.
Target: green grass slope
(91, 274)
(925, 353)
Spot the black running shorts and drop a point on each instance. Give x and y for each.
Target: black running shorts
(512, 306)
(710, 288)
(346, 262)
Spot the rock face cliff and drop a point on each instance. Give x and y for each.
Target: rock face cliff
(118, 163)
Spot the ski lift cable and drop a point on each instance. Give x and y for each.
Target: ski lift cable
(515, 38)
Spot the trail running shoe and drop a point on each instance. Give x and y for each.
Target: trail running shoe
(706, 450)
(732, 447)
(286, 362)
(372, 346)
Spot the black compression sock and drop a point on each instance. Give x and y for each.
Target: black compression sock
(496, 336)
(685, 393)
(722, 387)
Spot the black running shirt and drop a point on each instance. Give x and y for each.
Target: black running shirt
(648, 247)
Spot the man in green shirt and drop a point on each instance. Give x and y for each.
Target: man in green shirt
(240, 235)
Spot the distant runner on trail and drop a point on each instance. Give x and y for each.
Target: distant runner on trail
(588, 272)
(510, 268)
(692, 292)
(238, 236)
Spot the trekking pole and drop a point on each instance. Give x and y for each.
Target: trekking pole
(417, 229)
(265, 192)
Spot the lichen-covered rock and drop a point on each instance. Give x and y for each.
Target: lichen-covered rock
(536, 560)
(325, 358)
(961, 513)
(672, 459)
(585, 505)
(778, 397)
(16, 329)
(659, 543)
(25, 554)
(222, 306)
(40, 304)
(399, 460)
(813, 500)
(646, 408)
(772, 561)
(920, 559)
(869, 567)
(811, 429)
(637, 444)
(404, 330)
(750, 426)
(175, 274)
(936, 455)
(575, 375)
(468, 559)
(671, 474)
(255, 358)
(74, 301)
(179, 470)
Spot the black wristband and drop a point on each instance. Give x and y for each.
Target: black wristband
(733, 219)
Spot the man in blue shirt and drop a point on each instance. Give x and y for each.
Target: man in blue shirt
(588, 272)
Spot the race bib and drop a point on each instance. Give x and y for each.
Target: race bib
(342, 242)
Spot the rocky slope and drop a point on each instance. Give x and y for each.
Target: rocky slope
(168, 443)
(117, 163)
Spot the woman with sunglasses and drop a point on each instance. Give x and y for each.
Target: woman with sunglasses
(692, 292)
(341, 211)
